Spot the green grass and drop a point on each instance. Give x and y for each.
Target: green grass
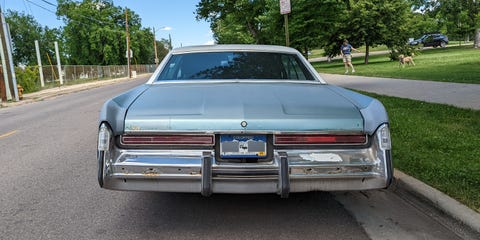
(459, 64)
(438, 144)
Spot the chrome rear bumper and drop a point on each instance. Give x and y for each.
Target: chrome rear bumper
(289, 171)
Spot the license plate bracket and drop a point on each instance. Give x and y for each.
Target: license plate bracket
(243, 146)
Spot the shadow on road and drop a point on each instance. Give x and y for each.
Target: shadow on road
(223, 216)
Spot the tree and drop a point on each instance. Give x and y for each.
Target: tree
(460, 18)
(95, 33)
(374, 22)
(242, 15)
(313, 23)
(163, 47)
(49, 37)
(228, 31)
(260, 21)
(24, 30)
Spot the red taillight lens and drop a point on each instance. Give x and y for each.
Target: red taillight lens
(297, 139)
(168, 140)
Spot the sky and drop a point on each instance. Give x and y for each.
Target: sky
(176, 18)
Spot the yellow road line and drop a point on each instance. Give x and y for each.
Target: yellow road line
(8, 134)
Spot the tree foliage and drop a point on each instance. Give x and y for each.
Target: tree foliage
(312, 24)
(24, 30)
(228, 16)
(314, 29)
(95, 33)
(260, 21)
(457, 18)
(375, 22)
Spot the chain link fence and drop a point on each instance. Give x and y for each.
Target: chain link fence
(81, 73)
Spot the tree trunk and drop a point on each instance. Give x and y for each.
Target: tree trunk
(476, 38)
(253, 32)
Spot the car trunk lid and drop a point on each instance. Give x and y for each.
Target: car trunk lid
(216, 107)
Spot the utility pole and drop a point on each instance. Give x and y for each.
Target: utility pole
(39, 62)
(155, 46)
(59, 65)
(7, 61)
(8, 39)
(128, 45)
(6, 84)
(3, 90)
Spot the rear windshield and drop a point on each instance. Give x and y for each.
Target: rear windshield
(235, 65)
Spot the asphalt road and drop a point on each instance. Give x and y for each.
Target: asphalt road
(48, 190)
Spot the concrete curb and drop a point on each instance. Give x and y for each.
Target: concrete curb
(440, 200)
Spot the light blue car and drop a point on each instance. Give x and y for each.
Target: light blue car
(242, 119)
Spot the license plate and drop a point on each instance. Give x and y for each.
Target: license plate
(243, 146)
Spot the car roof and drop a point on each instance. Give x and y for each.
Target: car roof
(234, 47)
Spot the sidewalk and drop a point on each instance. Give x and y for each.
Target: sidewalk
(457, 94)
(65, 89)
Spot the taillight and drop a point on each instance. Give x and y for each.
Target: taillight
(308, 139)
(167, 140)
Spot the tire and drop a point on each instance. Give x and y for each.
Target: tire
(100, 158)
(443, 44)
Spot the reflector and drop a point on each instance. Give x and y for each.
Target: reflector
(104, 135)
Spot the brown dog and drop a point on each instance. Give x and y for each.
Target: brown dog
(405, 60)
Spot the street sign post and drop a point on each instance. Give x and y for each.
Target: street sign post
(285, 9)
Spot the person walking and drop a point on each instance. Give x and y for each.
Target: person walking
(346, 52)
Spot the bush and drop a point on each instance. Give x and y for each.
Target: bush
(406, 50)
(28, 78)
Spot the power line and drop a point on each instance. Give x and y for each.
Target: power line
(49, 3)
(83, 16)
(40, 6)
(27, 9)
(73, 20)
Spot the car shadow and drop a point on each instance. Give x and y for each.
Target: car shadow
(228, 216)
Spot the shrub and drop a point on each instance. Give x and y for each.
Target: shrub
(28, 78)
(406, 50)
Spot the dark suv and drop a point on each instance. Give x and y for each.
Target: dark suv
(431, 40)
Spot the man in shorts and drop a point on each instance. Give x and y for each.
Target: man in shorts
(346, 52)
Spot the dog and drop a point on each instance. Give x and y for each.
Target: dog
(405, 60)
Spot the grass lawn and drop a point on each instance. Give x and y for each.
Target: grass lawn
(453, 64)
(438, 144)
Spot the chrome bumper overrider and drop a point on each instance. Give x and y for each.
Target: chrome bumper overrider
(289, 171)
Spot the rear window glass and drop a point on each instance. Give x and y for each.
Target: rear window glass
(234, 65)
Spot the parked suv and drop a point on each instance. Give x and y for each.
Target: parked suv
(431, 40)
